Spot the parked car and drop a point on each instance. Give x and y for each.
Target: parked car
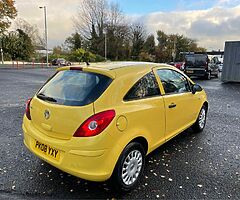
(218, 61)
(99, 122)
(61, 62)
(179, 65)
(199, 65)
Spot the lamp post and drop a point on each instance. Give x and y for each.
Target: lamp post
(46, 32)
(105, 33)
(2, 55)
(1, 49)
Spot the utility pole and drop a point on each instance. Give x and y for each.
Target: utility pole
(174, 49)
(2, 55)
(1, 50)
(46, 30)
(105, 33)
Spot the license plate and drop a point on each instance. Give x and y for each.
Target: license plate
(47, 150)
(190, 72)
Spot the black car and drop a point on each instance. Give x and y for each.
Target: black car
(61, 62)
(199, 65)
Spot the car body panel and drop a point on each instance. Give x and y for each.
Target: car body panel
(59, 124)
(186, 102)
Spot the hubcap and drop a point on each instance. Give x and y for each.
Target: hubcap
(132, 167)
(202, 118)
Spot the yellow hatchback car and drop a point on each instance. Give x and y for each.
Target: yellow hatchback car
(99, 122)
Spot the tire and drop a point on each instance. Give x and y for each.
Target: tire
(217, 75)
(200, 123)
(123, 179)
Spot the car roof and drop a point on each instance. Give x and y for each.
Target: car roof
(117, 65)
(114, 69)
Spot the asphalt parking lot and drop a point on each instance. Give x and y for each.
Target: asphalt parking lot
(190, 166)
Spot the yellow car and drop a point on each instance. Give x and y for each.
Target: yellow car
(99, 122)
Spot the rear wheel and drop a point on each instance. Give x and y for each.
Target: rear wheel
(129, 168)
(201, 120)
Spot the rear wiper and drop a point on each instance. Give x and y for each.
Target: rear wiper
(44, 97)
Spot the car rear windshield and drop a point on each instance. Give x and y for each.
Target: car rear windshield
(196, 60)
(74, 88)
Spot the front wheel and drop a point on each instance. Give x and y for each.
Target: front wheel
(201, 120)
(129, 168)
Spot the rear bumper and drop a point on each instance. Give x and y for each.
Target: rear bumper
(93, 165)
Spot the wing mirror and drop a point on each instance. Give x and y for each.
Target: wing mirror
(196, 88)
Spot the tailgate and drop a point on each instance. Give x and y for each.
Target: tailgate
(58, 121)
(66, 101)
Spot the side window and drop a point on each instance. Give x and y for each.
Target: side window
(173, 82)
(147, 86)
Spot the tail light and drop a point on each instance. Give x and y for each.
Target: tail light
(95, 124)
(206, 66)
(27, 109)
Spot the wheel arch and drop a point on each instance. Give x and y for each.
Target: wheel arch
(206, 104)
(141, 140)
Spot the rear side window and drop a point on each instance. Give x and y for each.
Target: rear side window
(74, 88)
(147, 86)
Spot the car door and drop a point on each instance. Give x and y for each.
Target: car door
(180, 104)
(145, 108)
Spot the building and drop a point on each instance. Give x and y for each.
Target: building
(231, 63)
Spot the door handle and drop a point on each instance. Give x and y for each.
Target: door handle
(173, 105)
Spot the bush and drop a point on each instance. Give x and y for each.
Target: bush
(99, 58)
(144, 56)
(79, 55)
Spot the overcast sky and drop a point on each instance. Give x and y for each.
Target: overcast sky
(210, 22)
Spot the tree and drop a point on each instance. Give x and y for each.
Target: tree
(18, 45)
(149, 45)
(162, 39)
(117, 33)
(57, 50)
(124, 41)
(31, 30)
(8, 12)
(25, 46)
(137, 39)
(74, 42)
(90, 23)
(96, 17)
(81, 55)
(167, 44)
(183, 44)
